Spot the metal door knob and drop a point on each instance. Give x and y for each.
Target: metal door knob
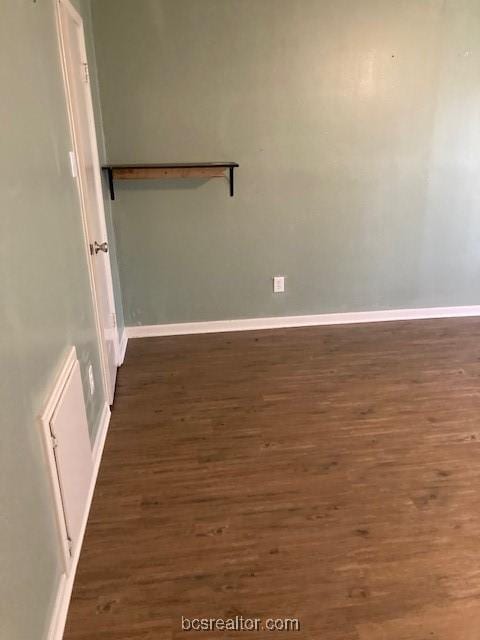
(100, 247)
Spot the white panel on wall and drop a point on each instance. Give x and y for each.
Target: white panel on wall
(73, 456)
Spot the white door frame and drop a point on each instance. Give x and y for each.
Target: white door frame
(63, 44)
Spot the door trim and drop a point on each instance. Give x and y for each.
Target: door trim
(123, 347)
(63, 46)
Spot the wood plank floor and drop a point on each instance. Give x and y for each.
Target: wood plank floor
(328, 474)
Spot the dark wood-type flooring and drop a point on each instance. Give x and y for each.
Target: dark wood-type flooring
(331, 474)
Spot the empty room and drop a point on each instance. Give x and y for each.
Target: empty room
(240, 319)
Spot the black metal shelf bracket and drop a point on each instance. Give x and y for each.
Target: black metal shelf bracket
(111, 186)
(232, 181)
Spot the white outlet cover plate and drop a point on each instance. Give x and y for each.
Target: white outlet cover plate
(278, 284)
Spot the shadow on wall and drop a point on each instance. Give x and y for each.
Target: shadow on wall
(160, 185)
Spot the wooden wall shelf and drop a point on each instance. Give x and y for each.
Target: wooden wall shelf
(189, 170)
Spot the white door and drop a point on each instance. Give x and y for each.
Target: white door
(86, 164)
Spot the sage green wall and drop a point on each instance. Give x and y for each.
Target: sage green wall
(357, 127)
(45, 304)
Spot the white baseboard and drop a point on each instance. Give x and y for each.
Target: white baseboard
(65, 587)
(251, 324)
(123, 347)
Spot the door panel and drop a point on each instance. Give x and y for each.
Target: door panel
(90, 186)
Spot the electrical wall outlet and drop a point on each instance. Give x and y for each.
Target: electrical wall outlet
(91, 379)
(278, 284)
